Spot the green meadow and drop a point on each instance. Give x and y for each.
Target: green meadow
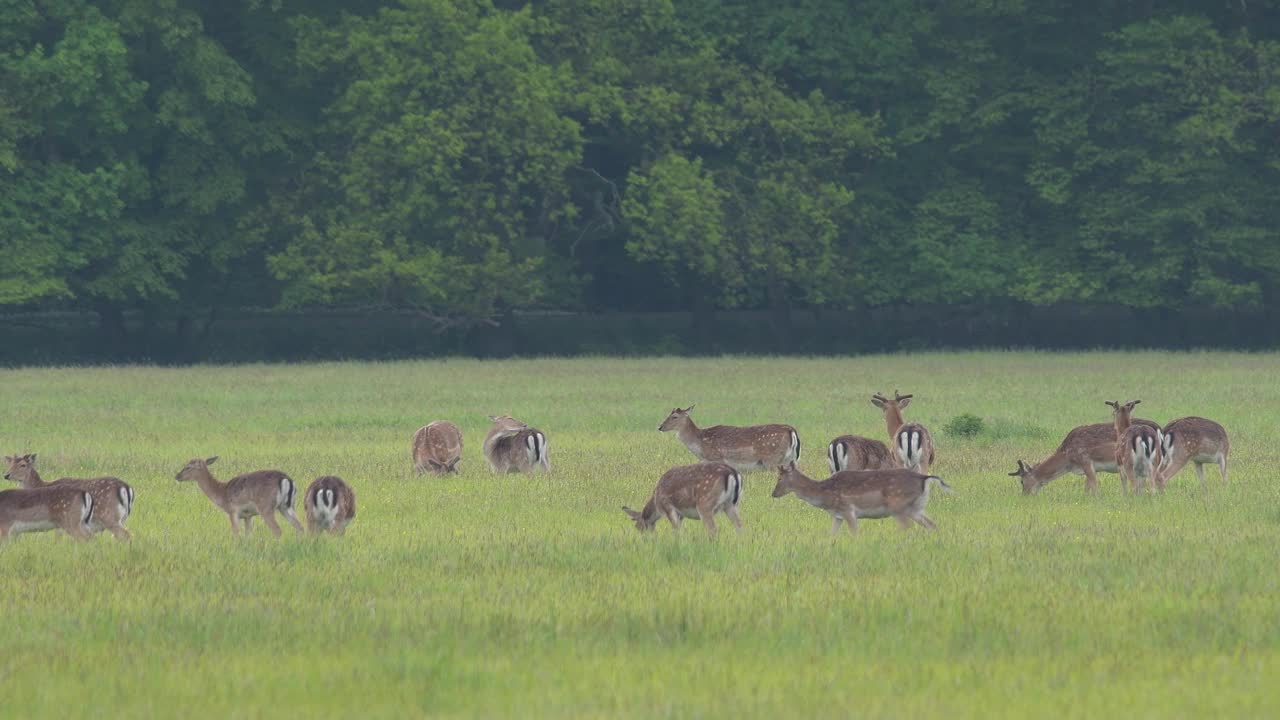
(534, 596)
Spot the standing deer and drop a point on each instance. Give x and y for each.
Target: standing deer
(512, 446)
(113, 498)
(872, 494)
(63, 507)
(1137, 448)
(755, 447)
(692, 491)
(330, 505)
(264, 493)
(1086, 450)
(1193, 439)
(912, 442)
(854, 452)
(437, 447)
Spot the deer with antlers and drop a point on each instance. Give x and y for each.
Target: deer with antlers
(912, 442)
(1137, 450)
(754, 447)
(1086, 450)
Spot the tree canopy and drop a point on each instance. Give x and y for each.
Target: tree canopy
(467, 158)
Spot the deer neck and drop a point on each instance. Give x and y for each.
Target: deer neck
(1055, 466)
(33, 480)
(650, 512)
(214, 490)
(1123, 421)
(807, 489)
(893, 419)
(691, 436)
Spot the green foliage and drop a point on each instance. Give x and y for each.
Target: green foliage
(966, 425)
(469, 159)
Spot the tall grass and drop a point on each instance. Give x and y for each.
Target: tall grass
(479, 595)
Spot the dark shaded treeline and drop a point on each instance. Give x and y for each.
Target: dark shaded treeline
(164, 165)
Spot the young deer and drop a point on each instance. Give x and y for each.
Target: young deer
(113, 498)
(872, 494)
(437, 447)
(692, 491)
(512, 446)
(1193, 439)
(1086, 450)
(65, 507)
(912, 442)
(755, 447)
(263, 493)
(854, 452)
(330, 505)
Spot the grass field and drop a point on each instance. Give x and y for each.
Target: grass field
(533, 596)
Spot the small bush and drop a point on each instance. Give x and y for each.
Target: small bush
(965, 425)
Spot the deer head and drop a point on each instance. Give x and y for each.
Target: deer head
(787, 476)
(194, 468)
(676, 419)
(20, 467)
(899, 401)
(642, 524)
(1026, 473)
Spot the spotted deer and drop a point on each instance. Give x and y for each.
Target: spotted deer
(692, 491)
(912, 442)
(55, 507)
(512, 446)
(262, 493)
(437, 447)
(1086, 450)
(1193, 439)
(330, 505)
(854, 452)
(755, 447)
(113, 498)
(1137, 447)
(848, 495)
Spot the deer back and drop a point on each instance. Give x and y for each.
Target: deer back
(1195, 437)
(764, 445)
(31, 510)
(689, 486)
(329, 501)
(854, 452)
(261, 488)
(437, 446)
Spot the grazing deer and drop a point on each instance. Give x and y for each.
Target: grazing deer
(263, 493)
(912, 442)
(113, 498)
(871, 494)
(854, 452)
(512, 446)
(1138, 457)
(330, 505)
(755, 447)
(437, 447)
(692, 491)
(65, 507)
(1193, 439)
(1086, 450)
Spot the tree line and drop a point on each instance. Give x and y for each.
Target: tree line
(466, 159)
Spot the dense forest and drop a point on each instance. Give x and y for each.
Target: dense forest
(465, 159)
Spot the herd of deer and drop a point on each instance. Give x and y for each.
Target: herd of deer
(869, 479)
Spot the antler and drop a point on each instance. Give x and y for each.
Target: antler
(1114, 405)
(900, 398)
(1021, 469)
(879, 397)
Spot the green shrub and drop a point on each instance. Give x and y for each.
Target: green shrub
(965, 425)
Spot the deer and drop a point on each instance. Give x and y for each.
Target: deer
(437, 447)
(755, 447)
(263, 493)
(113, 498)
(872, 494)
(512, 446)
(330, 505)
(1137, 447)
(692, 491)
(912, 442)
(1193, 439)
(55, 507)
(1086, 450)
(854, 452)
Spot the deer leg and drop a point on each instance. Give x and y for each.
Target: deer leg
(674, 517)
(1200, 474)
(248, 525)
(904, 522)
(1222, 466)
(708, 515)
(235, 524)
(292, 518)
(269, 517)
(1091, 477)
(835, 524)
(119, 532)
(1179, 460)
(732, 512)
(924, 521)
(851, 519)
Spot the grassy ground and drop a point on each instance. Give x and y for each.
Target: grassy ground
(528, 596)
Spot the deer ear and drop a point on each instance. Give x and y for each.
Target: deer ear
(32, 457)
(632, 513)
(689, 409)
(1114, 405)
(211, 460)
(877, 402)
(904, 402)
